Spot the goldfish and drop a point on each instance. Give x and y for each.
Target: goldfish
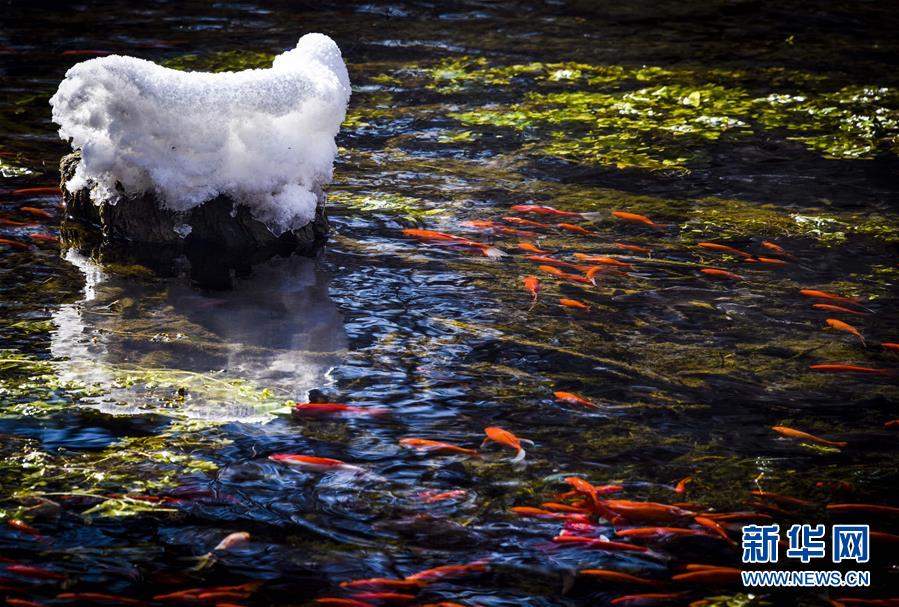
(786, 499)
(14, 244)
(714, 527)
(717, 575)
(555, 262)
(315, 409)
(768, 260)
(390, 598)
(532, 285)
(565, 275)
(14, 602)
(815, 294)
(891, 424)
(314, 464)
(543, 513)
(554, 507)
(492, 225)
(445, 571)
(643, 599)
(777, 249)
(17, 224)
(37, 191)
(872, 508)
(722, 248)
(681, 486)
(436, 447)
(20, 525)
(738, 516)
(37, 212)
(379, 583)
(574, 399)
(840, 368)
(439, 497)
(793, 433)
(530, 248)
(641, 219)
(603, 260)
(232, 540)
(507, 439)
(35, 572)
(43, 237)
(633, 248)
(721, 273)
(652, 511)
(575, 228)
(617, 576)
(839, 325)
(527, 222)
(598, 543)
(832, 308)
(545, 210)
(573, 303)
(658, 532)
(593, 271)
(487, 250)
(890, 346)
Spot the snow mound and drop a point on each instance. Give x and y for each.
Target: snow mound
(263, 137)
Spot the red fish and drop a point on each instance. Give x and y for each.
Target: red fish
(714, 527)
(380, 583)
(527, 222)
(532, 285)
(721, 273)
(594, 270)
(793, 433)
(35, 572)
(316, 409)
(487, 250)
(43, 237)
(641, 219)
(651, 511)
(778, 249)
(530, 248)
(574, 399)
(20, 525)
(617, 576)
(593, 542)
(575, 228)
(543, 513)
(633, 248)
(14, 602)
(715, 576)
(723, 248)
(37, 191)
(871, 508)
(603, 260)
(439, 497)
(445, 571)
(891, 424)
(545, 210)
(507, 439)
(815, 294)
(554, 507)
(573, 303)
(682, 484)
(840, 368)
(37, 212)
(890, 346)
(17, 224)
(832, 308)
(313, 463)
(768, 260)
(658, 532)
(565, 275)
(436, 447)
(545, 259)
(14, 244)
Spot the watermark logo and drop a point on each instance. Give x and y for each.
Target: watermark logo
(850, 543)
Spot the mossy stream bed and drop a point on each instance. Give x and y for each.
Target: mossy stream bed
(137, 412)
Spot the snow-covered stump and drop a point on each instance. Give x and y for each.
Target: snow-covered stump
(226, 168)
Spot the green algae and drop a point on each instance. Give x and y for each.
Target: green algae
(221, 61)
(409, 207)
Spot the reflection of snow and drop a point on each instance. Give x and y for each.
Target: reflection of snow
(235, 355)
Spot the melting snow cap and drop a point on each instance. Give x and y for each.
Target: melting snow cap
(263, 137)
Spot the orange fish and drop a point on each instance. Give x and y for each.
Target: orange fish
(530, 248)
(880, 536)
(526, 222)
(682, 484)
(617, 576)
(891, 424)
(492, 225)
(446, 495)
(17, 224)
(545, 210)
(839, 325)
(575, 228)
(633, 248)
(487, 250)
(573, 303)
(603, 260)
(532, 285)
(20, 525)
(786, 499)
(721, 273)
(14, 602)
(840, 368)
(541, 513)
(777, 249)
(769, 260)
(714, 527)
(832, 308)
(37, 212)
(658, 532)
(641, 219)
(793, 433)
(507, 439)
(715, 576)
(313, 463)
(380, 583)
(890, 346)
(14, 244)
(574, 399)
(593, 542)
(553, 261)
(445, 571)
(594, 270)
(738, 516)
(314, 409)
(651, 511)
(554, 507)
(815, 294)
(436, 447)
(43, 237)
(565, 275)
(37, 191)
(643, 599)
(35, 572)
(872, 508)
(722, 248)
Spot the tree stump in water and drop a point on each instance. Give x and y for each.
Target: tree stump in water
(216, 238)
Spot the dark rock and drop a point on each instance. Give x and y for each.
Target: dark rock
(219, 243)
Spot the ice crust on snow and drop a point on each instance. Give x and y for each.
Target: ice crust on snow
(264, 137)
